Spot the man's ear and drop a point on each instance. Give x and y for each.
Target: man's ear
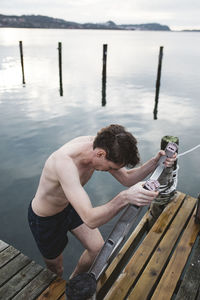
(101, 153)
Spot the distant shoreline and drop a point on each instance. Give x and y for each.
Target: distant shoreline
(37, 21)
(174, 31)
(45, 22)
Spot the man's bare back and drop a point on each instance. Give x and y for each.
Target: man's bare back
(50, 197)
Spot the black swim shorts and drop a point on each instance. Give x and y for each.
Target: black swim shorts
(50, 233)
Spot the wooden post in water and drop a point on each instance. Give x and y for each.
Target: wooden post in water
(155, 111)
(105, 47)
(167, 180)
(22, 60)
(60, 66)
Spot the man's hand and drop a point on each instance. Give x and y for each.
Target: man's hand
(169, 160)
(139, 196)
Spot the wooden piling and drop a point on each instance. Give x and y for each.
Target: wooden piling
(60, 67)
(155, 111)
(166, 180)
(105, 48)
(104, 71)
(22, 61)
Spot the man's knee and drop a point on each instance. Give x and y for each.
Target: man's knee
(58, 270)
(55, 265)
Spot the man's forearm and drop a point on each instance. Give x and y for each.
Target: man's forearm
(137, 174)
(102, 214)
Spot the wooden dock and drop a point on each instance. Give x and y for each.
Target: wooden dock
(157, 263)
(159, 268)
(23, 279)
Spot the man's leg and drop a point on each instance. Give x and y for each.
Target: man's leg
(92, 241)
(55, 265)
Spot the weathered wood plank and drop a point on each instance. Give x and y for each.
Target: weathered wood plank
(142, 255)
(157, 262)
(34, 288)
(3, 245)
(21, 279)
(13, 267)
(191, 280)
(63, 297)
(55, 290)
(8, 254)
(131, 242)
(170, 278)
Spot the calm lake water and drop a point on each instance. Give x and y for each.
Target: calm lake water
(35, 120)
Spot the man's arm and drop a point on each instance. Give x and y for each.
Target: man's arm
(96, 216)
(133, 176)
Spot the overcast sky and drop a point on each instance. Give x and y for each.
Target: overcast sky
(177, 14)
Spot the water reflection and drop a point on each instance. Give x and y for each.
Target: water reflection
(103, 91)
(155, 110)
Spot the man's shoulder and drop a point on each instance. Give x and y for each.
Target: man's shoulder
(63, 159)
(65, 167)
(58, 160)
(83, 138)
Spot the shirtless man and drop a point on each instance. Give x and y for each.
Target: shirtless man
(61, 204)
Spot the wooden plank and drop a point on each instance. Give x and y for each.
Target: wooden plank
(55, 290)
(132, 242)
(32, 290)
(156, 264)
(21, 279)
(63, 297)
(169, 280)
(142, 255)
(191, 281)
(3, 245)
(8, 254)
(13, 267)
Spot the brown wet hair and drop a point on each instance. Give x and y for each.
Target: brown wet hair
(119, 144)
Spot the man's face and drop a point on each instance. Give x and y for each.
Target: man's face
(103, 164)
(108, 166)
